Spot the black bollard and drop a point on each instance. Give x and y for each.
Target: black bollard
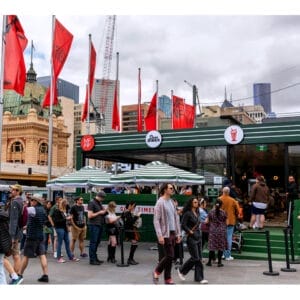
(293, 261)
(122, 264)
(287, 254)
(270, 272)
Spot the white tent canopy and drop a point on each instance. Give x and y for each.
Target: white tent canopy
(157, 172)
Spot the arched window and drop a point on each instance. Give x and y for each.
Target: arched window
(17, 147)
(43, 154)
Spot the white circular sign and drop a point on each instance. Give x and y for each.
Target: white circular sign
(153, 139)
(234, 134)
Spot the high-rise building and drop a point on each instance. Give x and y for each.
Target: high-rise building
(262, 96)
(65, 88)
(165, 105)
(108, 106)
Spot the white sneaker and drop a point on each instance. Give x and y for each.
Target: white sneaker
(203, 281)
(55, 254)
(180, 275)
(229, 258)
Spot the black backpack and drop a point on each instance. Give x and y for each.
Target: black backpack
(5, 238)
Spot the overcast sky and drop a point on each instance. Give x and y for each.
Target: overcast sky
(210, 51)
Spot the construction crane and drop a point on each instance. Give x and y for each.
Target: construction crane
(108, 49)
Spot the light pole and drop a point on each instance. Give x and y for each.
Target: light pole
(195, 98)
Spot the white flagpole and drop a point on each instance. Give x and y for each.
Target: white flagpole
(88, 86)
(2, 82)
(156, 109)
(50, 138)
(172, 108)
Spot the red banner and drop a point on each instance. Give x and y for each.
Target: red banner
(150, 120)
(178, 117)
(92, 67)
(115, 117)
(60, 49)
(15, 43)
(189, 116)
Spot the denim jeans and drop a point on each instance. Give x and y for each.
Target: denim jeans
(95, 239)
(2, 273)
(63, 236)
(227, 252)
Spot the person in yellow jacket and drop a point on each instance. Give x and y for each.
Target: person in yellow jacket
(231, 207)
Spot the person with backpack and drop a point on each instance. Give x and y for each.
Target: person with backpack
(5, 243)
(15, 212)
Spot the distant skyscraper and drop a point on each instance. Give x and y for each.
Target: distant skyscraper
(65, 88)
(165, 105)
(96, 95)
(262, 96)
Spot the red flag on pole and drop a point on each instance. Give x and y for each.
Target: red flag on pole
(189, 116)
(15, 43)
(178, 118)
(115, 116)
(139, 120)
(62, 41)
(92, 67)
(150, 120)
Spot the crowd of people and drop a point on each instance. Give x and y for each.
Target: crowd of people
(54, 226)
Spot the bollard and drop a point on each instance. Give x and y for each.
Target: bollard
(287, 254)
(293, 261)
(270, 272)
(122, 264)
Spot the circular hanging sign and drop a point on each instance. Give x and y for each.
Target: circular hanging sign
(87, 142)
(153, 139)
(234, 134)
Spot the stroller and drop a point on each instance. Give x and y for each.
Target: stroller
(237, 238)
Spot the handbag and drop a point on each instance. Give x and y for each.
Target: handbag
(204, 227)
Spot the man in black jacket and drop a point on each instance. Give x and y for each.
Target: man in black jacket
(291, 195)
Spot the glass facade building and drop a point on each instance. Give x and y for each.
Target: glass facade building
(262, 96)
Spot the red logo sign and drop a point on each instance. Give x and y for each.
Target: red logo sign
(87, 143)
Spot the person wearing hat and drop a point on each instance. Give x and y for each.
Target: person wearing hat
(96, 219)
(34, 243)
(15, 213)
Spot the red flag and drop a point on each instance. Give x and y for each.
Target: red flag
(150, 120)
(139, 119)
(115, 117)
(178, 118)
(14, 65)
(60, 49)
(189, 116)
(92, 67)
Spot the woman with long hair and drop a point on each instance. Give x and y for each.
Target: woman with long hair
(112, 230)
(190, 224)
(61, 218)
(217, 236)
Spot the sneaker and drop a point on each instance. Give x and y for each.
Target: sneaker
(203, 281)
(17, 281)
(155, 277)
(74, 259)
(180, 275)
(61, 260)
(83, 255)
(169, 281)
(44, 278)
(55, 254)
(208, 264)
(229, 258)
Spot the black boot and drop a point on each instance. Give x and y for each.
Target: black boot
(113, 254)
(220, 253)
(108, 253)
(130, 260)
(211, 255)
